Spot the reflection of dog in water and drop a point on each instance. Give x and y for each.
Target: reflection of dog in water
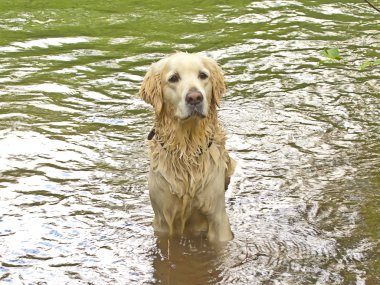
(190, 167)
(186, 261)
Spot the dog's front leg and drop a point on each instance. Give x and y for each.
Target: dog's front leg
(213, 207)
(219, 229)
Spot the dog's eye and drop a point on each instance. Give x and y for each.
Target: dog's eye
(174, 78)
(202, 75)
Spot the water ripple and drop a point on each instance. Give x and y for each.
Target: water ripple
(43, 43)
(302, 203)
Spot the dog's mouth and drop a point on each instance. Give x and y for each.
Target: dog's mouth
(195, 112)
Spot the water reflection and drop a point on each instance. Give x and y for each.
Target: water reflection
(184, 260)
(73, 163)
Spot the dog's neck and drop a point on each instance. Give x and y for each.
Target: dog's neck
(185, 136)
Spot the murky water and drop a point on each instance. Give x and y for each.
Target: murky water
(304, 202)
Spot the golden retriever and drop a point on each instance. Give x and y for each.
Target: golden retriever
(189, 165)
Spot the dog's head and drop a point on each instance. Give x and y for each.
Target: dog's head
(184, 84)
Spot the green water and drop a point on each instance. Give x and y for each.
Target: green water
(304, 201)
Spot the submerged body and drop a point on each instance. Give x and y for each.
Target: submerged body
(190, 167)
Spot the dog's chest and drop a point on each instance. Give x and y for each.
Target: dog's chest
(185, 175)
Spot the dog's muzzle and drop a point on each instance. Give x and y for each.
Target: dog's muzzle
(194, 101)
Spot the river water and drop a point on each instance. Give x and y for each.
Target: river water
(304, 201)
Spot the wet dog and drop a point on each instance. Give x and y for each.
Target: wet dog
(189, 165)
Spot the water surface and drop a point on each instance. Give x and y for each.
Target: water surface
(304, 201)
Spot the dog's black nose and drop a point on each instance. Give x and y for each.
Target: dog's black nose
(194, 97)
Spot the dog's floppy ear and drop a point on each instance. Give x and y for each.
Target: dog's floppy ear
(217, 80)
(151, 88)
